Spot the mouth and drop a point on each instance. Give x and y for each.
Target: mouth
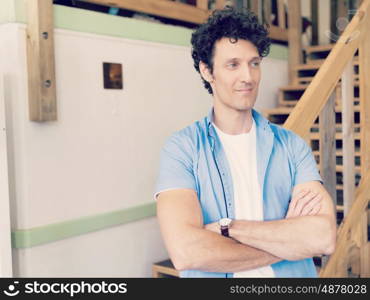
(245, 91)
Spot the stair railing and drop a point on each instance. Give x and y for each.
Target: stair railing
(352, 248)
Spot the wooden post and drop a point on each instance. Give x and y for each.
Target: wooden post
(364, 70)
(220, 4)
(327, 147)
(348, 137)
(315, 22)
(281, 14)
(40, 61)
(267, 11)
(327, 153)
(294, 36)
(255, 7)
(202, 4)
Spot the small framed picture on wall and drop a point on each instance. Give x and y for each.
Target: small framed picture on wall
(112, 74)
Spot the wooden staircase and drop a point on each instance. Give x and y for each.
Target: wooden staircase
(289, 96)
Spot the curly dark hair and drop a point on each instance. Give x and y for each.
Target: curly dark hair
(231, 24)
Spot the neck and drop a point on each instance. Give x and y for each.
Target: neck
(232, 121)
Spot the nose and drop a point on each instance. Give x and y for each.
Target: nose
(245, 74)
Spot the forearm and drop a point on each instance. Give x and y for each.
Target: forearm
(212, 252)
(291, 239)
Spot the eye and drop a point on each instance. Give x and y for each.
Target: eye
(256, 64)
(232, 65)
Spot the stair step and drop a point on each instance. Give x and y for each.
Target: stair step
(306, 80)
(283, 110)
(338, 152)
(339, 169)
(291, 103)
(338, 135)
(316, 64)
(318, 48)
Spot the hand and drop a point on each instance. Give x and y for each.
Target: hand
(304, 203)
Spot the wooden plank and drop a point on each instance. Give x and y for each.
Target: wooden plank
(315, 22)
(281, 14)
(348, 137)
(202, 4)
(294, 37)
(326, 79)
(40, 61)
(163, 8)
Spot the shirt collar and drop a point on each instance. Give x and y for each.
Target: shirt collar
(261, 122)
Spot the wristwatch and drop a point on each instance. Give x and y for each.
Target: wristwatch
(224, 226)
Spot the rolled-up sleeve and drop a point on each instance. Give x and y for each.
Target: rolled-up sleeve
(305, 164)
(176, 165)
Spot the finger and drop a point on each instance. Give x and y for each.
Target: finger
(310, 205)
(304, 201)
(315, 210)
(296, 197)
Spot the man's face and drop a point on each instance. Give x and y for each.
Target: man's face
(236, 74)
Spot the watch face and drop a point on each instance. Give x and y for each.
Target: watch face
(225, 222)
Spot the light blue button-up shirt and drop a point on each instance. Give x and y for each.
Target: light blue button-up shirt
(193, 158)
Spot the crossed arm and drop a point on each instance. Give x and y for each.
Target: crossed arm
(308, 229)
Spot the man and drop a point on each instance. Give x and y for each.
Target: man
(237, 195)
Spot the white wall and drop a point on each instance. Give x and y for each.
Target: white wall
(5, 241)
(102, 153)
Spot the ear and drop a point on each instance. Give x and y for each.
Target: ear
(205, 72)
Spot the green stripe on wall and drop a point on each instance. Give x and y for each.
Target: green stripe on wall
(82, 20)
(58, 231)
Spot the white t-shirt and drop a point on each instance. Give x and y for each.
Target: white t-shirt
(241, 154)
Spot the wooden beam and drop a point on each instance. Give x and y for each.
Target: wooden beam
(348, 137)
(294, 37)
(40, 61)
(163, 8)
(326, 79)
